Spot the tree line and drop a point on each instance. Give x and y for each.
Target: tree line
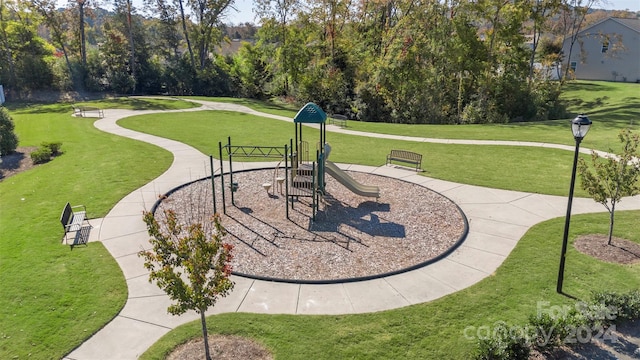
(401, 61)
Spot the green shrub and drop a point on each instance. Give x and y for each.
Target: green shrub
(595, 315)
(504, 344)
(41, 155)
(54, 147)
(585, 321)
(626, 306)
(482, 112)
(8, 138)
(553, 331)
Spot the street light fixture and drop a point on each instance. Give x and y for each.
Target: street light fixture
(579, 126)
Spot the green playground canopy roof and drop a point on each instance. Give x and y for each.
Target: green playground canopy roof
(310, 113)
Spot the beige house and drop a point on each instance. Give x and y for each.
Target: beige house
(607, 50)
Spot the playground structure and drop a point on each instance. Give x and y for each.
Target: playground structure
(312, 114)
(304, 176)
(333, 234)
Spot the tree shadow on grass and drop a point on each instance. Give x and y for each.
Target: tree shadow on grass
(38, 108)
(597, 102)
(66, 107)
(619, 116)
(590, 86)
(138, 104)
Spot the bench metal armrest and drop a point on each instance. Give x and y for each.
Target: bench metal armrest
(84, 208)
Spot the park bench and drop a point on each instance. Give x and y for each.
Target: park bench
(339, 120)
(407, 157)
(72, 221)
(87, 111)
(76, 110)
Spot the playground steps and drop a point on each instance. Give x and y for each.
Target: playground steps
(300, 191)
(303, 178)
(303, 182)
(305, 170)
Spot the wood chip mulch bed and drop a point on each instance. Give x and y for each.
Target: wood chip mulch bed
(221, 347)
(621, 251)
(16, 162)
(352, 237)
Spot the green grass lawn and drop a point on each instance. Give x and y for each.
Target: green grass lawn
(611, 106)
(275, 106)
(53, 299)
(539, 170)
(435, 330)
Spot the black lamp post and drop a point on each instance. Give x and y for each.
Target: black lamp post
(579, 126)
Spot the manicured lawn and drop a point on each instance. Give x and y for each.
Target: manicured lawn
(274, 106)
(52, 299)
(539, 170)
(618, 104)
(611, 106)
(436, 330)
(131, 103)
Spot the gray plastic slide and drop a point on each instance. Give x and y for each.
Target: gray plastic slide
(349, 182)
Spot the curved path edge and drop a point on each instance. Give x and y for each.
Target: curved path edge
(497, 220)
(211, 105)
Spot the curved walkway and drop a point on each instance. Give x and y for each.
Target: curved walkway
(208, 105)
(497, 220)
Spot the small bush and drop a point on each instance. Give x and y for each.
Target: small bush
(482, 112)
(626, 306)
(8, 138)
(581, 323)
(504, 344)
(41, 155)
(551, 331)
(596, 315)
(54, 147)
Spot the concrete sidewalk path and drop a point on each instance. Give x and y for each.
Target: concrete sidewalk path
(497, 220)
(210, 105)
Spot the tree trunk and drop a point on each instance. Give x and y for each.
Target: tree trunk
(69, 68)
(285, 64)
(83, 48)
(132, 59)
(203, 320)
(568, 63)
(611, 215)
(534, 46)
(576, 26)
(202, 42)
(186, 35)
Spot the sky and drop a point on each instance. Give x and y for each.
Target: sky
(245, 13)
(633, 5)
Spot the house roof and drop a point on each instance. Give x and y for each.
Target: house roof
(633, 24)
